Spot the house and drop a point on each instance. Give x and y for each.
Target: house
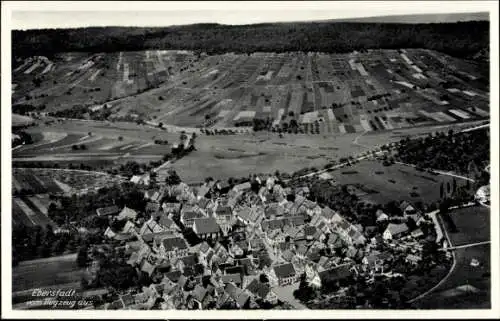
(483, 194)
(240, 297)
(417, 233)
(252, 216)
(127, 214)
(153, 195)
(262, 291)
(151, 226)
(270, 181)
(235, 278)
(256, 244)
(275, 236)
(413, 259)
(152, 207)
(243, 187)
(167, 223)
(381, 216)
(188, 218)
(171, 208)
(223, 187)
(236, 251)
(303, 191)
(202, 191)
(108, 211)
(207, 228)
(339, 275)
(283, 274)
(172, 247)
(407, 209)
(144, 179)
(374, 261)
(274, 210)
(394, 231)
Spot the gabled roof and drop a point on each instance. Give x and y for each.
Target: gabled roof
(109, 210)
(166, 222)
(297, 220)
(337, 273)
(199, 292)
(258, 288)
(284, 270)
(127, 213)
(232, 277)
(171, 207)
(202, 190)
(174, 244)
(327, 213)
(237, 294)
(206, 225)
(191, 215)
(203, 202)
(152, 207)
(309, 230)
(223, 210)
(242, 186)
(150, 227)
(396, 229)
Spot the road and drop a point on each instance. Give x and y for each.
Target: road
(468, 245)
(285, 293)
(453, 266)
(441, 172)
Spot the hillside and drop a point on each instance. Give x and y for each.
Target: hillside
(422, 18)
(291, 92)
(461, 39)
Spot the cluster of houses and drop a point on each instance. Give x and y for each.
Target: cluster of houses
(219, 246)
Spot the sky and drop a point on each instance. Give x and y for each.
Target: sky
(68, 14)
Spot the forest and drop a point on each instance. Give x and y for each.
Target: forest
(461, 39)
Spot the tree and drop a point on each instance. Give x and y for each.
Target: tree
(441, 190)
(120, 138)
(172, 178)
(82, 256)
(448, 187)
(454, 185)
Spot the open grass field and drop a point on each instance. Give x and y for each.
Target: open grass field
(55, 272)
(381, 184)
(473, 225)
(222, 156)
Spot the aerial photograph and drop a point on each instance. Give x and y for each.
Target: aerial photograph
(334, 163)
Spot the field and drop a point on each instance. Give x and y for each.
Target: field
(54, 272)
(381, 184)
(222, 156)
(53, 181)
(329, 94)
(449, 296)
(35, 185)
(473, 225)
(92, 79)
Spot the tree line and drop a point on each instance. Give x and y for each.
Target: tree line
(461, 39)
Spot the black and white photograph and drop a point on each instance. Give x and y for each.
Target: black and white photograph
(285, 159)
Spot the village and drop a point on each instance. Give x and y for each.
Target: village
(251, 245)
